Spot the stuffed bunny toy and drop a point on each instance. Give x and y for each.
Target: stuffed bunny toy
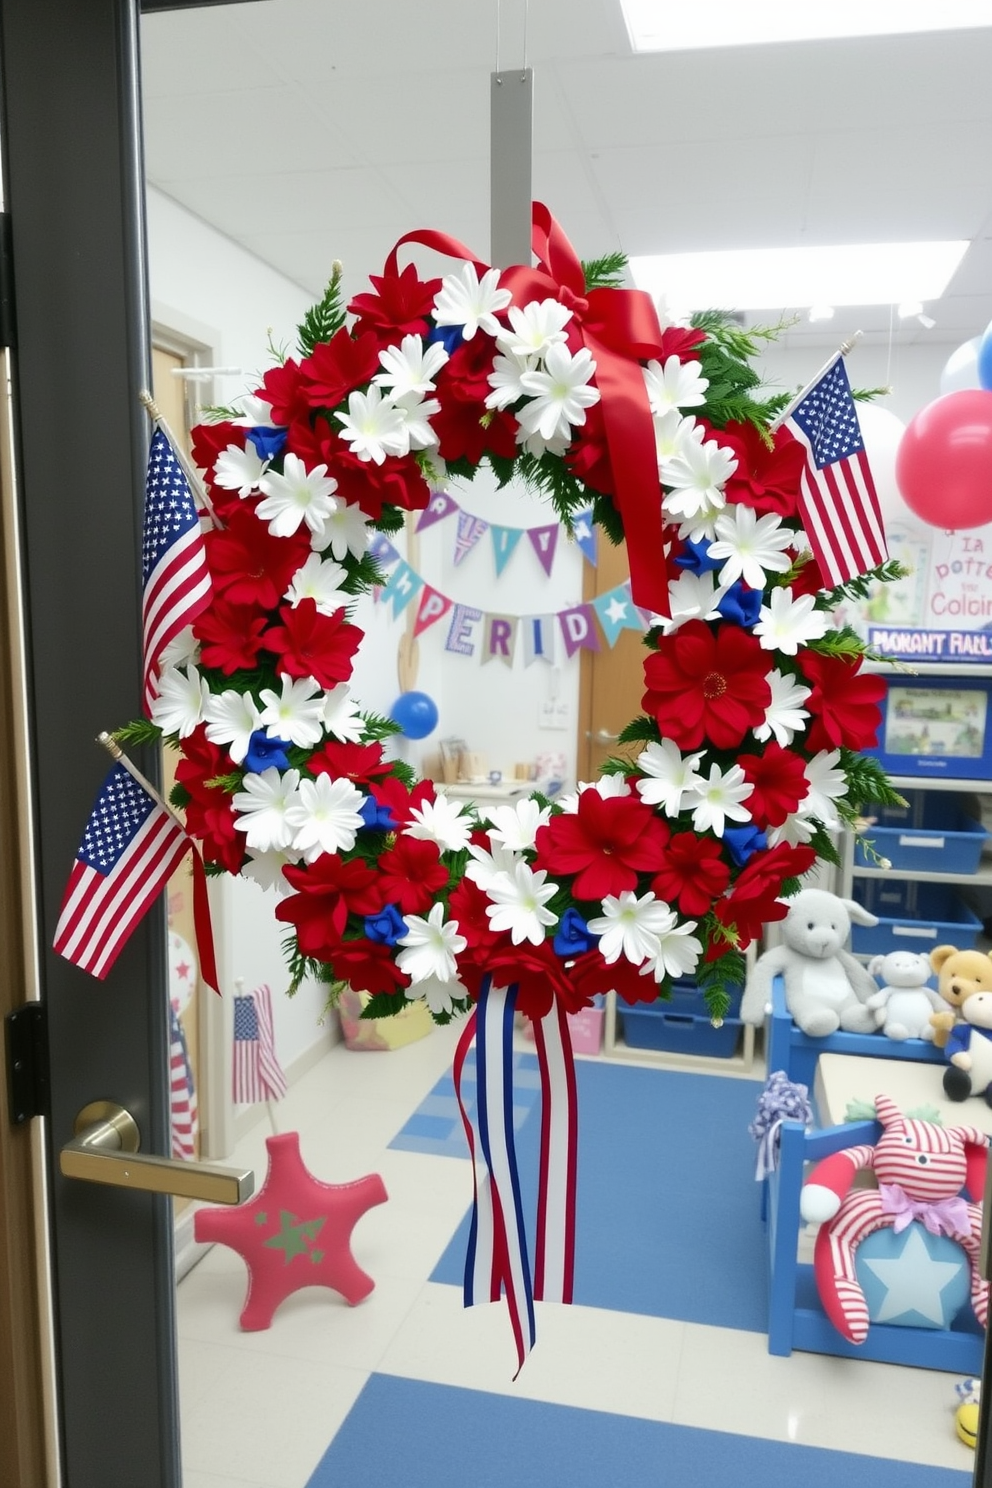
(825, 987)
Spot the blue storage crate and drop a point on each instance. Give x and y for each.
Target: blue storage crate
(912, 916)
(682, 1025)
(932, 833)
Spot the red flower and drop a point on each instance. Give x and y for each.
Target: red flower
(248, 565)
(809, 579)
(282, 389)
(693, 873)
(309, 644)
(468, 905)
(680, 341)
(464, 427)
(753, 901)
(605, 844)
(591, 976)
(230, 636)
(336, 367)
(844, 705)
(707, 688)
(359, 762)
(398, 481)
(410, 873)
(209, 812)
(367, 966)
(536, 970)
(588, 456)
(400, 307)
(399, 798)
(779, 783)
(766, 479)
(328, 890)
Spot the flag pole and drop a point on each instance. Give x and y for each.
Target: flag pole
(112, 747)
(155, 413)
(842, 350)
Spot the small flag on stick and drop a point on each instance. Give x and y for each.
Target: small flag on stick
(258, 1075)
(182, 1092)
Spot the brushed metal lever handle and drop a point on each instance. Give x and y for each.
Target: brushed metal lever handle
(105, 1150)
(603, 736)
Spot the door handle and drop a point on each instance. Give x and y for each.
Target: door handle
(105, 1150)
(603, 736)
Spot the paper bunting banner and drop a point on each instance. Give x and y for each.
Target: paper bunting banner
(441, 505)
(402, 586)
(460, 637)
(500, 638)
(539, 639)
(616, 611)
(505, 540)
(432, 607)
(381, 549)
(578, 629)
(585, 535)
(470, 529)
(544, 541)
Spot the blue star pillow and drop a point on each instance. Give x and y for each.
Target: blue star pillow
(913, 1279)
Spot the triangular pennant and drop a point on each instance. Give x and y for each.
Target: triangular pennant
(460, 637)
(616, 611)
(539, 638)
(403, 585)
(431, 608)
(470, 529)
(505, 540)
(381, 549)
(500, 638)
(585, 535)
(441, 505)
(578, 629)
(544, 541)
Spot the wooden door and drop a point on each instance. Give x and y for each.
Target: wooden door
(611, 681)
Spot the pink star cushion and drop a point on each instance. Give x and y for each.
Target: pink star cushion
(295, 1232)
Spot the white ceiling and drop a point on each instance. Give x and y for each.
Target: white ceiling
(309, 130)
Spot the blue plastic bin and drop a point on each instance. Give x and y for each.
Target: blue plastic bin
(912, 916)
(933, 833)
(682, 1025)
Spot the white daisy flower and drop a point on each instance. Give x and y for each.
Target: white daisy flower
(373, 426)
(672, 432)
(441, 821)
(346, 530)
(718, 798)
(631, 926)
(483, 866)
(439, 996)
(296, 713)
(325, 816)
(516, 826)
(239, 469)
(751, 545)
(675, 385)
(262, 809)
(232, 717)
(265, 869)
(560, 394)
(505, 382)
(410, 367)
(341, 716)
(533, 328)
(702, 526)
(537, 445)
(669, 774)
(519, 904)
(298, 495)
(606, 786)
(255, 413)
(432, 947)
(415, 413)
(785, 716)
(181, 650)
(320, 580)
(182, 698)
(696, 477)
(473, 304)
(678, 953)
(827, 784)
(692, 596)
(785, 623)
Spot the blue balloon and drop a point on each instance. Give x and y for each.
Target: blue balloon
(985, 359)
(416, 714)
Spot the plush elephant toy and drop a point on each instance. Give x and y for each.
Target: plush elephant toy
(825, 987)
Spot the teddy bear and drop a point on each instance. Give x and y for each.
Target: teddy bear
(825, 987)
(964, 980)
(904, 1003)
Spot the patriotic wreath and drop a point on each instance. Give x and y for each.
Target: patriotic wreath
(755, 704)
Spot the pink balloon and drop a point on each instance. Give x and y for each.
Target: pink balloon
(944, 461)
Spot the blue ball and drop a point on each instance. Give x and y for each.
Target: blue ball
(416, 714)
(985, 359)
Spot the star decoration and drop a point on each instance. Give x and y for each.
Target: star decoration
(295, 1232)
(616, 610)
(915, 1280)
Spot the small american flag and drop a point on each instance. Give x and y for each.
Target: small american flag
(182, 1092)
(839, 506)
(257, 1073)
(130, 848)
(175, 576)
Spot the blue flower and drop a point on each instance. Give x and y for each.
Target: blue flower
(573, 935)
(450, 337)
(267, 442)
(376, 818)
(743, 841)
(742, 605)
(697, 558)
(386, 927)
(264, 752)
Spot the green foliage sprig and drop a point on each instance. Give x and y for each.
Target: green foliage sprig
(323, 320)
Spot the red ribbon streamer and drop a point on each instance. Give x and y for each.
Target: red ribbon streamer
(620, 329)
(202, 925)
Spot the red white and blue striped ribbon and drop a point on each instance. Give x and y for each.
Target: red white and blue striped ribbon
(497, 1261)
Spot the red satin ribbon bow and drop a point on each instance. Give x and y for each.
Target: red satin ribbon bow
(620, 329)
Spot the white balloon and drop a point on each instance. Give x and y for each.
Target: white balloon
(882, 432)
(961, 368)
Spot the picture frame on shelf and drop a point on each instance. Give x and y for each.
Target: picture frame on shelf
(936, 728)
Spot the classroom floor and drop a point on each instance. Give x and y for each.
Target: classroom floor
(668, 1402)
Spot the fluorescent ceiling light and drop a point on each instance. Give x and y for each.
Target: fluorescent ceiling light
(661, 26)
(796, 278)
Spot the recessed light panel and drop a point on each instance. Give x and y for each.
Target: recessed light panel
(663, 26)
